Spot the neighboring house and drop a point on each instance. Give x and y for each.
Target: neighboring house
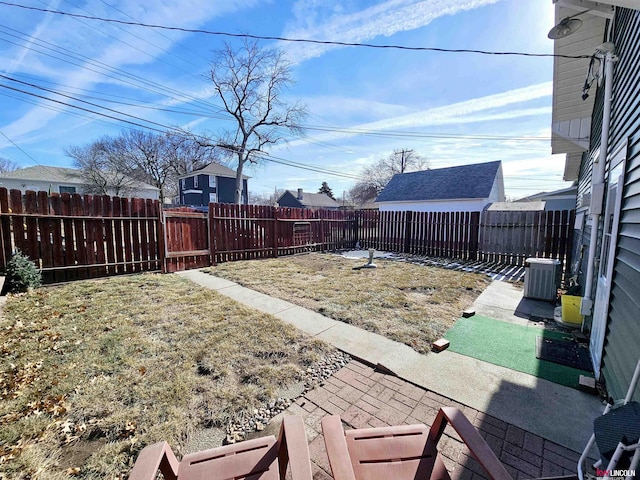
(601, 138)
(43, 178)
(564, 199)
(214, 183)
(301, 199)
(466, 188)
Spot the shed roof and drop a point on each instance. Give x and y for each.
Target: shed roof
(461, 182)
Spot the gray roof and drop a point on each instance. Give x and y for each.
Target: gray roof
(46, 173)
(313, 200)
(462, 182)
(215, 169)
(571, 191)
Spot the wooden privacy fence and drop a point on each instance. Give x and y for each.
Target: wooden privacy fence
(74, 237)
(243, 232)
(512, 237)
(435, 234)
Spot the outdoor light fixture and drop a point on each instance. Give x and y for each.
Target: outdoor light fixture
(566, 27)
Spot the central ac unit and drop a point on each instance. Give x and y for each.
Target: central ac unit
(542, 278)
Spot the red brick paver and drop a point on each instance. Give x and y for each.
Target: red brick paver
(365, 398)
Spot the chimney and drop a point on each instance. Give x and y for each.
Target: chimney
(299, 194)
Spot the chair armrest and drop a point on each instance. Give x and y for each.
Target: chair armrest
(337, 450)
(472, 439)
(154, 457)
(294, 449)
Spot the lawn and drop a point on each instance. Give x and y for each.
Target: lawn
(94, 371)
(413, 304)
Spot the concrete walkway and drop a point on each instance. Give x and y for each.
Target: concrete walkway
(560, 414)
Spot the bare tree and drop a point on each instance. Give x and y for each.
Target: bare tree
(7, 165)
(102, 167)
(114, 164)
(265, 198)
(250, 82)
(377, 175)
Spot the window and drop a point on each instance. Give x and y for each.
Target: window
(67, 189)
(212, 181)
(213, 198)
(195, 181)
(183, 182)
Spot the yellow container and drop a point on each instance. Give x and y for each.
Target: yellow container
(571, 309)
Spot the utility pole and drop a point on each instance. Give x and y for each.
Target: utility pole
(402, 157)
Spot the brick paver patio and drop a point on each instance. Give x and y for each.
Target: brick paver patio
(364, 397)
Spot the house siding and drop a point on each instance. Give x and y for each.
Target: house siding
(435, 206)
(55, 187)
(224, 189)
(623, 327)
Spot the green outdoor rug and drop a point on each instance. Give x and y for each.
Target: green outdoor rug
(511, 346)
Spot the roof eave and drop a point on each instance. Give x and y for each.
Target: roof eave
(571, 115)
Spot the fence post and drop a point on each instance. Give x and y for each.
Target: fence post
(322, 222)
(212, 229)
(408, 219)
(474, 232)
(276, 230)
(162, 241)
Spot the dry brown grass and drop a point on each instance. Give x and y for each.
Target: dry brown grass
(93, 371)
(409, 303)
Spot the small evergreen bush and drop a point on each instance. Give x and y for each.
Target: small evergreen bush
(22, 274)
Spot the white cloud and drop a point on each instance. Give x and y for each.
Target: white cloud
(456, 113)
(109, 47)
(322, 21)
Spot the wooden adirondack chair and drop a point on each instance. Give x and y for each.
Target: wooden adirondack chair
(265, 458)
(403, 452)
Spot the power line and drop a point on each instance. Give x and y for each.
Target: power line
(19, 148)
(294, 40)
(356, 131)
(113, 72)
(79, 100)
(265, 156)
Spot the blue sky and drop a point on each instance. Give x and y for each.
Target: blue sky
(447, 101)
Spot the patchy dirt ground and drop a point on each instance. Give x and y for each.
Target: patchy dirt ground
(409, 303)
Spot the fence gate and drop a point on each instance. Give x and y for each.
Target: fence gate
(186, 239)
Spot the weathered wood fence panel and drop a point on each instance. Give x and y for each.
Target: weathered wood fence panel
(73, 237)
(186, 239)
(448, 234)
(512, 237)
(244, 232)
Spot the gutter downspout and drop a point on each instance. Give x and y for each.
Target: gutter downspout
(597, 181)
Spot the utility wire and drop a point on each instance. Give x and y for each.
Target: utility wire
(357, 131)
(296, 40)
(265, 156)
(114, 72)
(19, 148)
(78, 100)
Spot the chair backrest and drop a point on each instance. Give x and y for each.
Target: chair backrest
(404, 452)
(250, 459)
